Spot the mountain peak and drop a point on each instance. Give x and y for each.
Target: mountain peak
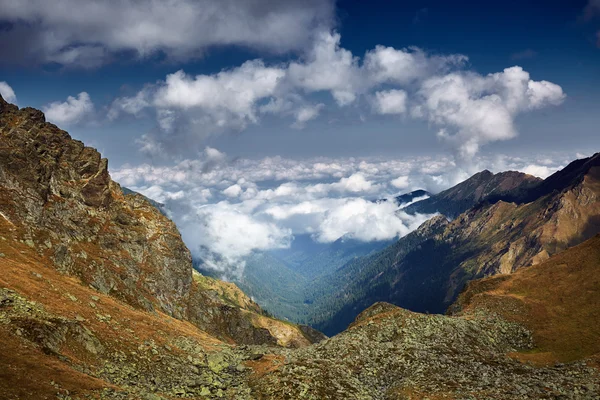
(566, 178)
(479, 187)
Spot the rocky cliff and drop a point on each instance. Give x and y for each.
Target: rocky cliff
(58, 196)
(96, 279)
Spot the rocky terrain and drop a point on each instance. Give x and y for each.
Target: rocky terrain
(98, 300)
(97, 286)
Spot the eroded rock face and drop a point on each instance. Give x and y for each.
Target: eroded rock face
(59, 195)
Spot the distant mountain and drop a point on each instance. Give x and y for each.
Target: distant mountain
(480, 187)
(410, 197)
(425, 270)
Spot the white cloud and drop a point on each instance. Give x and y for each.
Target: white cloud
(400, 182)
(222, 236)
(148, 145)
(129, 105)
(328, 67)
(367, 221)
(7, 92)
(88, 33)
(390, 102)
(354, 183)
(472, 109)
(541, 171)
(215, 201)
(71, 111)
(233, 191)
(306, 114)
(387, 64)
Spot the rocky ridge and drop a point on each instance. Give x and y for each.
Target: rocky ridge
(480, 187)
(99, 284)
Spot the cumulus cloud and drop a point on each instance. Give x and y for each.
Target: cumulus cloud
(403, 66)
(129, 105)
(400, 182)
(71, 111)
(540, 171)
(7, 92)
(222, 237)
(472, 109)
(87, 33)
(305, 114)
(390, 102)
(367, 221)
(469, 109)
(328, 67)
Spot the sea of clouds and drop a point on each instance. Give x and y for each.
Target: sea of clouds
(228, 208)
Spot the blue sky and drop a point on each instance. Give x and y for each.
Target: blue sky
(552, 40)
(287, 117)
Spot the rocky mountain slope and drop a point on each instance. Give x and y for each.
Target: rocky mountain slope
(482, 186)
(425, 270)
(94, 281)
(530, 335)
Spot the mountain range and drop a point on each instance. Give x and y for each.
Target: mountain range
(99, 297)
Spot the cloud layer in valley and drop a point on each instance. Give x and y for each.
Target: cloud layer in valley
(226, 209)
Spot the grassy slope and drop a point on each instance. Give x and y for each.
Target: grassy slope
(559, 300)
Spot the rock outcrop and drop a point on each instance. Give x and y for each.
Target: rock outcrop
(59, 195)
(59, 199)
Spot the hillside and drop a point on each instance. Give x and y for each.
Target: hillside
(425, 270)
(98, 293)
(533, 334)
(558, 300)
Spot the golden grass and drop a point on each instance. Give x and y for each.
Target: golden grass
(558, 300)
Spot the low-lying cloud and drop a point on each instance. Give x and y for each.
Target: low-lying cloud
(227, 209)
(7, 92)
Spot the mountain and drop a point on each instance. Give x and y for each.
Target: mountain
(530, 335)
(411, 197)
(482, 186)
(97, 293)
(425, 270)
(279, 280)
